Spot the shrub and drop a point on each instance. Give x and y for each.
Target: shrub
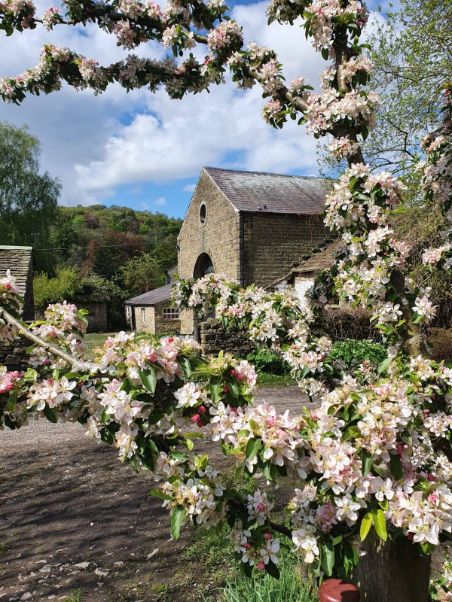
(352, 353)
(349, 323)
(266, 360)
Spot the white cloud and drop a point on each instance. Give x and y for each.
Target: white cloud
(189, 188)
(160, 201)
(174, 139)
(94, 144)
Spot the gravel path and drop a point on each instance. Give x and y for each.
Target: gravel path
(73, 518)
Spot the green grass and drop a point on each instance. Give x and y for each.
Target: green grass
(96, 339)
(75, 596)
(276, 380)
(290, 587)
(212, 551)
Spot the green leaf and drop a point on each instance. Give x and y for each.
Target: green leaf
(252, 448)
(159, 493)
(380, 523)
(383, 366)
(177, 516)
(149, 378)
(367, 462)
(234, 389)
(272, 569)
(396, 467)
(366, 524)
(214, 391)
(337, 540)
(327, 555)
(50, 414)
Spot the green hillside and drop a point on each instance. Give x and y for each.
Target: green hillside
(98, 253)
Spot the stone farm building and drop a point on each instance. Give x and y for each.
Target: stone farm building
(251, 226)
(152, 311)
(19, 261)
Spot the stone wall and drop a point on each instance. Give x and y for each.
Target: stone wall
(144, 318)
(150, 319)
(215, 338)
(218, 236)
(12, 355)
(273, 242)
(165, 326)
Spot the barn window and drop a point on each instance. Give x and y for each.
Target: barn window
(143, 315)
(170, 313)
(203, 213)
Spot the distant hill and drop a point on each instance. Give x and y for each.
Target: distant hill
(102, 239)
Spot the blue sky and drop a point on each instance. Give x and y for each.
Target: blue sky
(145, 151)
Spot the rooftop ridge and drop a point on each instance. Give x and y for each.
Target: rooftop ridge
(262, 173)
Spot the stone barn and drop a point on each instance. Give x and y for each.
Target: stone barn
(251, 226)
(19, 261)
(152, 312)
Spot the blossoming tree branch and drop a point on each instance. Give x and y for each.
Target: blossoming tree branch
(373, 456)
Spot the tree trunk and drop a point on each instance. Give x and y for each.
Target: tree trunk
(392, 572)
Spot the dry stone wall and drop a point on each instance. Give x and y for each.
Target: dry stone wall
(215, 338)
(12, 355)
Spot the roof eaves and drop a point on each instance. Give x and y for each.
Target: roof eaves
(205, 169)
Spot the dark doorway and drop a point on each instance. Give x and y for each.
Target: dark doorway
(203, 266)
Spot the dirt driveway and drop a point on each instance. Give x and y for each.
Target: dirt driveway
(72, 518)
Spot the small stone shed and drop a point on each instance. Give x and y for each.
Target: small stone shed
(152, 312)
(302, 274)
(251, 226)
(19, 260)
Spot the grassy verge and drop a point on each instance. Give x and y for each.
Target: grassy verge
(275, 380)
(223, 581)
(290, 587)
(96, 339)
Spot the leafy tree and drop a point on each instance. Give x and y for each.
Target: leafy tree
(61, 287)
(141, 274)
(371, 456)
(412, 56)
(28, 199)
(69, 284)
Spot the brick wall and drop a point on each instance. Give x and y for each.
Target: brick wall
(273, 242)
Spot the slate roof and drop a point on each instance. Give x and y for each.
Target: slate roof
(152, 297)
(261, 192)
(321, 258)
(18, 260)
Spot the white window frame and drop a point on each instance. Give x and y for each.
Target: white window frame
(170, 313)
